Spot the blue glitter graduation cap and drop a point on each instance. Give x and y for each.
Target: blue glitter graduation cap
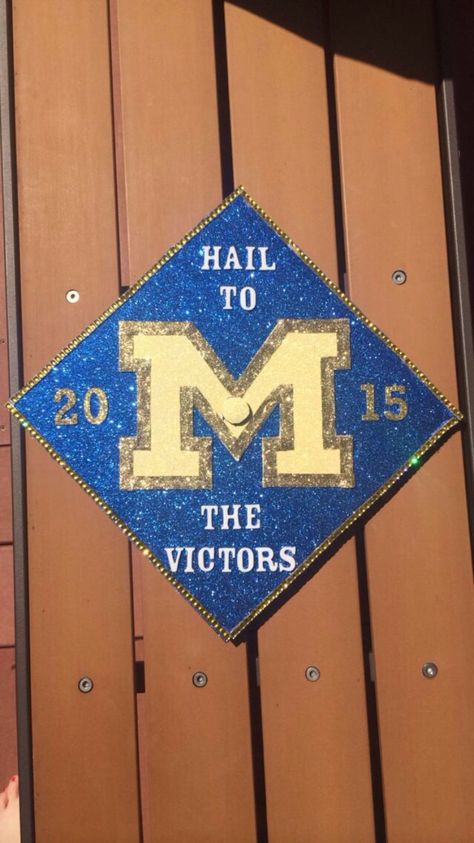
(234, 413)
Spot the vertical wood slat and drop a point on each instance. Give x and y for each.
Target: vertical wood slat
(6, 525)
(4, 392)
(21, 722)
(315, 734)
(84, 745)
(418, 545)
(196, 764)
(8, 742)
(8, 754)
(7, 630)
(454, 33)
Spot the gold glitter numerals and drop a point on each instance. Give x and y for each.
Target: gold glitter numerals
(95, 412)
(396, 407)
(61, 417)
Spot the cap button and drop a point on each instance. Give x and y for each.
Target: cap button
(235, 410)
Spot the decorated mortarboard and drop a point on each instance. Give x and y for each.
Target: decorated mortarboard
(234, 413)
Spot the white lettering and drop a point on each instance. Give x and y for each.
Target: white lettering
(209, 510)
(250, 250)
(248, 298)
(227, 516)
(244, 559)
(242, 565)
(265, 557)
(229, 292)
(232, 261)
(174, 555)
(287, 555)
(189, 569)
(264, 266)
(230, 516)
(210, 552)
(252, 510)
(211, 256)
(226, 553)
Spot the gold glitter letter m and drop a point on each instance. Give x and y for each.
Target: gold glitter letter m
(177, 370)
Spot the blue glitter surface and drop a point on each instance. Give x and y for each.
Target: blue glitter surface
(301, 517)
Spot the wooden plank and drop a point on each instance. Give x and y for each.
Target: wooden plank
(4, 389)
(196, 767)
(8, 754)
(168, 108)
(6, 525)
(280, 134)
(418, 545)
(316, 746)
(137, 563)
(80, 603)
(7, 626)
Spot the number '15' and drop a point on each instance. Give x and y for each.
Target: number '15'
(396, 407)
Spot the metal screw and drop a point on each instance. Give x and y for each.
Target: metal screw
(399, 276)
(199, 679)
(85, 684)
(429, 670)
(72, 296)
(312, 673)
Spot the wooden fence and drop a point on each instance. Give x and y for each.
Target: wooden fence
(132, 119)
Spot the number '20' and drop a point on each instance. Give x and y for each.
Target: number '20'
(95, 413)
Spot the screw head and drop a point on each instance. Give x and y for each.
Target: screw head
(312, 673)
(199, 679)
(429, 670)
(85, 684)
(73, 296)
(399, 277)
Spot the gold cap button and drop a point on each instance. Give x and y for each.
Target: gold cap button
(235, 410)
